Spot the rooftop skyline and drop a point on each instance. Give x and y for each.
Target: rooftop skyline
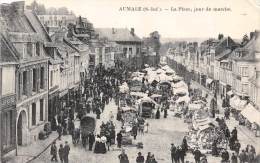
(244, 17)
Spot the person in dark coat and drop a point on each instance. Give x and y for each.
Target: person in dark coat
(59, 130)
(237, 146)
(140, 158)
(157, 115)
(184, 144)
(91, 140)
(234, 158)
(225, 156)
(123, 158)
(134, 130)
(182, 154)
(243, 157)
(148, 157)
(98, 112)
(173, 153)
(214, 148)
(177, 154)
(234, 133)
(54, 152)
(227, 133)
(61, 153)
(119, 139)
(66, 152)
(197, 155)
(84, 139)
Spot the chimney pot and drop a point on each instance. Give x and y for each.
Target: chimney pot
(133, 31)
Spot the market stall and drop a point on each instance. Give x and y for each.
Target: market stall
(146, 107)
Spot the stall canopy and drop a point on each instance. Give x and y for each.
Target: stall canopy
(251, 114)
(139, 94)
(230, 93)
(185, 99)
(180, 84)
(181, 90)
(237, 103)
(209, 80)
(147, 99)
(124, 88)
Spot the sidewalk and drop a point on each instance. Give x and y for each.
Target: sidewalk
(30, 152)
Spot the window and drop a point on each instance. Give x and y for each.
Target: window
(130, 51)
(244, 71)
(41, 109)
(124, 52)
(30, 49)
(7, 129)
(34, 89)
(25, 83)
(8, 84)
(42, 78)
(137, 50)
(245, 88)
(51, 79)
(33, 114)
(38, 49)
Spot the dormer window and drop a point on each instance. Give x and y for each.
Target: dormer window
(38, 49)
(29, 49)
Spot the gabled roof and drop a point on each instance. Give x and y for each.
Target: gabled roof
(8, 52)
(223, 55)
(118, 34)
(249, 50)
(37, 25)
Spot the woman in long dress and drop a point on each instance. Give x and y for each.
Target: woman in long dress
(97, 145)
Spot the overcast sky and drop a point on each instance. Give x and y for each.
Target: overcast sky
(244, 17)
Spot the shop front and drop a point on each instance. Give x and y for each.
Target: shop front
(8, 126)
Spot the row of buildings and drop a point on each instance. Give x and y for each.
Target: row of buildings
(222, 65)
(44, 62)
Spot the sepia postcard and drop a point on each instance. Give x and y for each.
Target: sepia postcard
(130, 81)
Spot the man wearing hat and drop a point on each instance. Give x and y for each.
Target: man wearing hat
(173, 153)
(140, 158)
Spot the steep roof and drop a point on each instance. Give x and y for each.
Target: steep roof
(249, 50)
(8, 52)
(223, 55)
(37, 25)
(118, 34)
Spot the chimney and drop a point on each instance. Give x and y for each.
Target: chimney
(18, 7)
(113, 31)
(133, 31)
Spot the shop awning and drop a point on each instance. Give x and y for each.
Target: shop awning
(251, 114)
(209, 81)
(185, 99)
(181, 90)
(230, 93)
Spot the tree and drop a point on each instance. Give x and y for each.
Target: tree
(41, 10)
(62, 11)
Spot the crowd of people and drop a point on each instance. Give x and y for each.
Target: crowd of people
(99, 90)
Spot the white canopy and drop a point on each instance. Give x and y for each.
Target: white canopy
(230, 93)
(180, 90)
(180, 84)
(160, 71)
(139, 94)
(177, 78)
(251, 114)
(185, 99)
(209, 80)
(147, 99)
(124, 88)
